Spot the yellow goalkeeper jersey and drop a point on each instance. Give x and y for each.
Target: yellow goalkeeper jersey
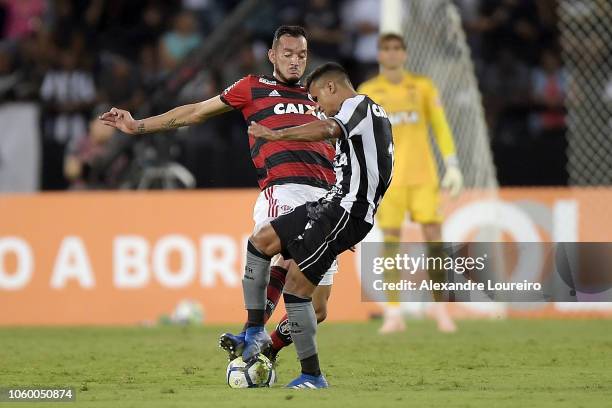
(413, 105)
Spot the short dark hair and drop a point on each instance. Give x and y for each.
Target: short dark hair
(290, 30)
(325, 69)
(391, 36)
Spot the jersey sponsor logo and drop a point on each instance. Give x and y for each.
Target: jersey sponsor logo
(299, 108)
(403, 118)
(274, 93)
(267, 81)
(378, 111)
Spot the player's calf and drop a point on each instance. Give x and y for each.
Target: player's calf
(233, 344)
(281, 336)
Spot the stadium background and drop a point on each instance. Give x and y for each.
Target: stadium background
(70, 255)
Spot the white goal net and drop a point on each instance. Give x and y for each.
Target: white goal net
(437, 48)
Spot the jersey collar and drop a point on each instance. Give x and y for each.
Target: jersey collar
(273, 78)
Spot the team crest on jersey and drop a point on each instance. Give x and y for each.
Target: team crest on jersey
(267, 81)
(285, 209)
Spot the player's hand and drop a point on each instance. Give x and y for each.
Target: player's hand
(120, 119)
(257, 130)
(453, 180)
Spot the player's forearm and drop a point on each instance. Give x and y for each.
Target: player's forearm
(185, 115)
(310, 132)
(443, 134)
(175, 118)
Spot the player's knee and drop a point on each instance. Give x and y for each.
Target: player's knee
(259, 241)
(265, 240)
(291, 285)
(297, 287)
(256, 241)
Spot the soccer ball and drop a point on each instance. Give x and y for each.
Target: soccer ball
(188, 312)
(257, 373)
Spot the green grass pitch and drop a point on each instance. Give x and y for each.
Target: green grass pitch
(486, 364)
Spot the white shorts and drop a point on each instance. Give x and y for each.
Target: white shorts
(275, 201)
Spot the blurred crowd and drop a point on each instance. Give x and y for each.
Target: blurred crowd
(76, 58)
(516, 50)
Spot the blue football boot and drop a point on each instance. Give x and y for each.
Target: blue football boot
(306, 382)
(233, 344)
(256, 341)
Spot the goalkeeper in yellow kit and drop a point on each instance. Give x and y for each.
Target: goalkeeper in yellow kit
(413, 104)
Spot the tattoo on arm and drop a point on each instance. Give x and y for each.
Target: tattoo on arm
(141, 127)
(173, 124)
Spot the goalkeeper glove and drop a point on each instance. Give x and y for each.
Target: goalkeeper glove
(453, 179)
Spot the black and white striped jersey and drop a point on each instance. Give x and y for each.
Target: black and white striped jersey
(364, 157)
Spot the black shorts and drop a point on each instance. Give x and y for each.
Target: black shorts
(315, 233)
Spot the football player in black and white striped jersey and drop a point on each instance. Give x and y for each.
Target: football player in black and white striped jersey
(314, 234)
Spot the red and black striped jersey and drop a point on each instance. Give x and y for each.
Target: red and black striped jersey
(277, 105)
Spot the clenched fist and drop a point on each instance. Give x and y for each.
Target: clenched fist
(256, 130)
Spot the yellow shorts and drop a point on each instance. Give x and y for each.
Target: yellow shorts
(422, 202)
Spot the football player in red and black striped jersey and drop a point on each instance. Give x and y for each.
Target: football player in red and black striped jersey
(289, 173)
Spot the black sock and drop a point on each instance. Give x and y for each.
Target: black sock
(310, 365)
(255, 318)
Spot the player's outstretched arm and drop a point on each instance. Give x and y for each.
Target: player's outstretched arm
(178, 117)
(310, 132)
